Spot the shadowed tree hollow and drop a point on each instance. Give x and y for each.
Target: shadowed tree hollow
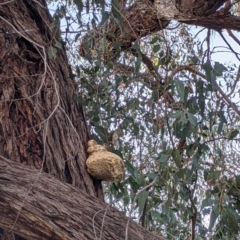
(46, 191)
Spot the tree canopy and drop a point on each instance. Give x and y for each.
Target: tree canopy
(163, 94)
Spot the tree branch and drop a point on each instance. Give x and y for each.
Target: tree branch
(224, 96)
(216, 21)
(56, 210)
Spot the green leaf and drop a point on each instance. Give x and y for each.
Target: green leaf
(138, 63)
(208, 69)
(213, 175)
(156, 215)
(181, 173)
(116, 11)
(180, 89)
(203, 148)
(237, 178)
(79, 5)
(135, 129)
(155, 94)
(176, 114)
(105, 17)
(219, 152)
(154, 40)
(213, 217)
(184, 119)
(102, 132)
(207, 202)
(163, 158)
(233, 134)
(133, 184)
(142, 197)
(222, 121)
(156, 48)
(195, 161)
(213, 78)
(192, 119)
(219, 69)
(194, 59)
(232, 221)
(131, 169)
(151, 176)
(141, 180)
(176, 157)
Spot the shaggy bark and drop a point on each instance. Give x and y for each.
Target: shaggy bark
(138, 20)
(186, 9)
(40, 124)
(218, 21)
(50, 209)
(145, 17)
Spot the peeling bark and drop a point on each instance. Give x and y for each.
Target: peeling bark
(56, 210)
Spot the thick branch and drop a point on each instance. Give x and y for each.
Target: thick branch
(216, 21)
(138, 21)
(56, 210)
(142, 19)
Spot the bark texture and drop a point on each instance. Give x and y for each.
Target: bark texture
(137, 21)
(186, 9)
(218, 21)
(40, 124)
(56, 210)
(145, 17)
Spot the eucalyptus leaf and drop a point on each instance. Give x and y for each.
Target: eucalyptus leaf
(142, 197)
(233, 134)
(180, 89)
(213, 217)
(163, 158)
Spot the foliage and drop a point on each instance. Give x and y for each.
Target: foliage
(188, 147)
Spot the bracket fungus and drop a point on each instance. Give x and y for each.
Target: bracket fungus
(104, 165)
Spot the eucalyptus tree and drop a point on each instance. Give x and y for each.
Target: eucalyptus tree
(141, 78)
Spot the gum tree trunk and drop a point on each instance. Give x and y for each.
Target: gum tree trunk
(40, 125)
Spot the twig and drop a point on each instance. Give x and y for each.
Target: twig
(230, 47)
(225, 97)
(135, 199)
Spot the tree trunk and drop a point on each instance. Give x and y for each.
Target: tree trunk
(40, 125)
(50, 209)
